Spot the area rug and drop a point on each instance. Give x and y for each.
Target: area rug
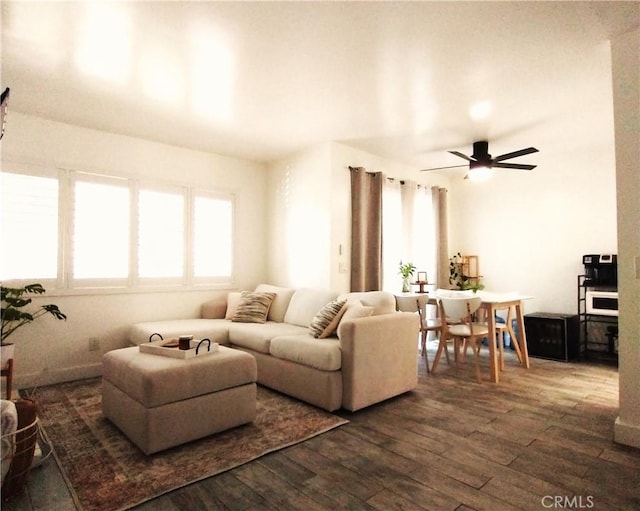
(106, 472)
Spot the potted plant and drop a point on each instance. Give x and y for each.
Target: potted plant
(15, 314)
(456, 273)
(457, 277)
(406, 270)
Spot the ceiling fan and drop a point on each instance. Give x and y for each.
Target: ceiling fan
(481, 161)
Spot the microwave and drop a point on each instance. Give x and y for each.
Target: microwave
(603, 303)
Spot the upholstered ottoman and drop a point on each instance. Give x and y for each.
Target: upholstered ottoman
(160, 402)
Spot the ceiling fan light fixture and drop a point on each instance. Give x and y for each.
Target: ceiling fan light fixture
(479, 173)
(481, 162)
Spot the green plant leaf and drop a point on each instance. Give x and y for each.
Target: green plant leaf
(13, 315)
(34, 288)
(53, 309)
(17, 302)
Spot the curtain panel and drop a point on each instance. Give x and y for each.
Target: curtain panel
(423, 233)
(439, 201)
(366, 230)
(408, 230)
(392, 234)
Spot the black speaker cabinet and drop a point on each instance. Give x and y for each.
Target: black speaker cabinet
(553, 336)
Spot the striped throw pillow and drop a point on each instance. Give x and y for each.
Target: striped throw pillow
(253, 307)
(326, 320)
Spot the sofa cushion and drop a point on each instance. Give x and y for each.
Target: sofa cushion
(304, 305)
(354, 310)
(214, 308)
(325, 322)
(257, 336)
(253, 307)
(382, 302)
(280, 303)
(233, 300)
(322, 354)
(215, 329)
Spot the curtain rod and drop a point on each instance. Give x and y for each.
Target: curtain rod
(392, 179)
(402, 182)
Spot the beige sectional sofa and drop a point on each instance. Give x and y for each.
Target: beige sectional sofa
(369, 356)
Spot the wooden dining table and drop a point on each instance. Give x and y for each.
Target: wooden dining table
(512, 302)
(493, 302)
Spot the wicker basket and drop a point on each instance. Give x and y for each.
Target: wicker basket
(26, 437)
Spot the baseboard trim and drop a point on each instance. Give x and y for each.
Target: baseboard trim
(52, 376)
(627, 434)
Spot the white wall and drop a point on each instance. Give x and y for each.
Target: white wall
(299, 192)
(310, 213)
(626, 84)
(60, 349)
(530, 229)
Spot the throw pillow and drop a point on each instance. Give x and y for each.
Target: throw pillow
(215, 308)
(280, 303)
(354, 310)
(253, 307)
(325, 322)
(233, 299)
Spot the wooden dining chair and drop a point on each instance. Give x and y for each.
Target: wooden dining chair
(501, 329)
(458, 325)
(443, 339)
(428, 324)
(412, 303)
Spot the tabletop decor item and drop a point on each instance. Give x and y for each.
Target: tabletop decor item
(406, 270)
(462, 274)
(173, 347)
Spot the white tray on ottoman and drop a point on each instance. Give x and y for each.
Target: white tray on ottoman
(197, 349)
(160, 402)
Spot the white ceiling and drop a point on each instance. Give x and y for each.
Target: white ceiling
(260, 80)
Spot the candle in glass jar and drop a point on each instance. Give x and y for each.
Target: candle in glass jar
(184, 342)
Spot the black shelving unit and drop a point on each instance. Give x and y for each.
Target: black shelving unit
(598, 333)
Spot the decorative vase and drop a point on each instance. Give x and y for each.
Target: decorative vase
(406, 284)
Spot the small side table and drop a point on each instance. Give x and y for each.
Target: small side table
(421, 286)
(8, 373)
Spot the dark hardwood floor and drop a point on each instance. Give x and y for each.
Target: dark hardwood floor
(541, 439)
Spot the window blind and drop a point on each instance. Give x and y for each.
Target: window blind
(28, 227)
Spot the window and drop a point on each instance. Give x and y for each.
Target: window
(81, 230)
(424, 233)
(392, 234)
(100, 229)
(29, 227)
(408, 231)
(160, 234)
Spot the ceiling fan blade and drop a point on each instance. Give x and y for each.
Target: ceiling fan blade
(442, 168)
(519, 166)
(462, 155)
(515, 154)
